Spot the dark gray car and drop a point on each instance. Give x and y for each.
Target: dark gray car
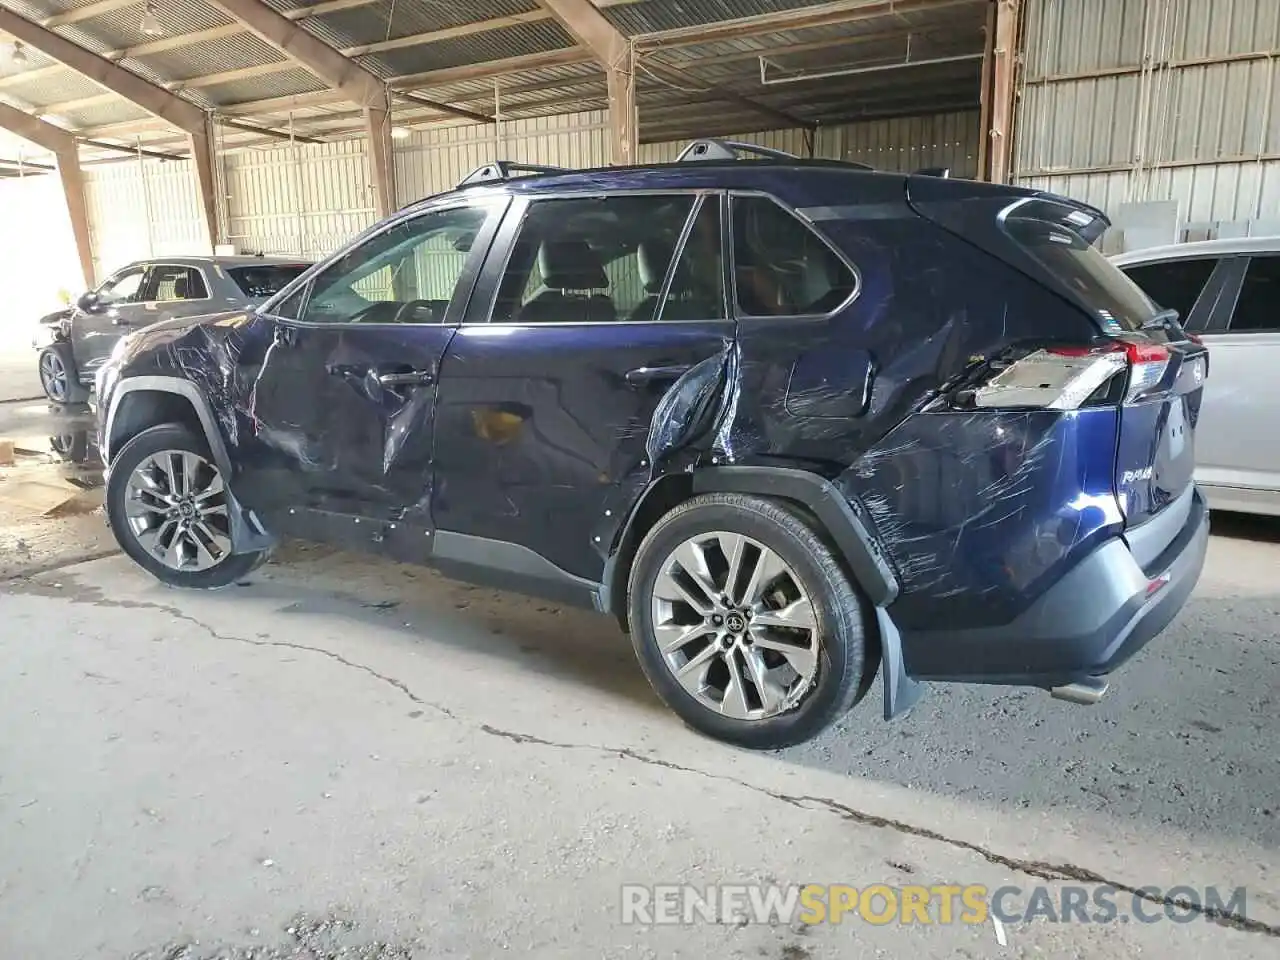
(74, 343)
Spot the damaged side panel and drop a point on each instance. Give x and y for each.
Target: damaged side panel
(303, 412)
(981, 511)
(546, 432)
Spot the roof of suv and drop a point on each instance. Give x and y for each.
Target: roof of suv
(1199, 248)
(704, 163)
(241, 260)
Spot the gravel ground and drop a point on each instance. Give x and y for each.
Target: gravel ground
(347, 758)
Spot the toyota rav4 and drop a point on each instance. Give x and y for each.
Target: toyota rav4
(793, 423)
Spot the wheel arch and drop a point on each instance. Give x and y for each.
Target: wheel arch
(833, 516)
(820, 498)
(815, 495)
(142, 402)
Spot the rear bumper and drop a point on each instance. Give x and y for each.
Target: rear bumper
(1106, 609)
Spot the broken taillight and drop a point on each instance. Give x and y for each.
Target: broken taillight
(1064, 378)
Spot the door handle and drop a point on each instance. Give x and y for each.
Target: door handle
(413, 378)
(646, 374)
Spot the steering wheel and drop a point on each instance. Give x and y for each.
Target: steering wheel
(407, 308)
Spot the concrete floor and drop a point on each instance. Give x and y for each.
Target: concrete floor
(346, 754)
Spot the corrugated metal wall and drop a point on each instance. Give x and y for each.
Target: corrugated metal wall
(1134, 101)
(142, 208)
(905, 143)
(301, 199)
(307, 199)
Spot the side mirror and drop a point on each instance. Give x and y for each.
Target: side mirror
(89, 302)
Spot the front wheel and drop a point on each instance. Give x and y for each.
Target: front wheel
(745, 622)
(168, 507)
(58, 377)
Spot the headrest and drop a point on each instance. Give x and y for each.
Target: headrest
(653, 258)
(571, 265)
(180, 287)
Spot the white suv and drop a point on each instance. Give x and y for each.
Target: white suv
(1227, 292)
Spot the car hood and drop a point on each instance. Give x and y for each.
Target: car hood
(214, 326)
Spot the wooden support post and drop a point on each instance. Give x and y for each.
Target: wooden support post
(623, 135)
(984, 93)
(1003, 63)
(72, 177)
(202, 160)
(64, 147)
(382, 169)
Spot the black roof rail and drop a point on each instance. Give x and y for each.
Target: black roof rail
(943, 172)
(501, 170)
(714, 149)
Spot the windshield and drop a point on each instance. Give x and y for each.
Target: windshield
(265, 280)
(1117, 302)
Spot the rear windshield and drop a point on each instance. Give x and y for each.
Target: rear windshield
(1102, 288)
(266, 280)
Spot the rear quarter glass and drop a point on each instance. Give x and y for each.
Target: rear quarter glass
(1048, 238)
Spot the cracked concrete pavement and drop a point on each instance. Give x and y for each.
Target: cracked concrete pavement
(439, 770)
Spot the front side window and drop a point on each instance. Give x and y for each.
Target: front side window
(124, 287)
(168, 283)
(1258, 307)
(1173, 284)
(782, 268)
(604, 260)
(406, 274)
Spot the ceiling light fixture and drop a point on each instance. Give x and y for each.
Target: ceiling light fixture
(19, 54)
(150, 25)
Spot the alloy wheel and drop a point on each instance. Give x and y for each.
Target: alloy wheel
(53, 376)
(176, 506)
(735, 626)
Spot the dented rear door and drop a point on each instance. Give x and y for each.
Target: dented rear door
(548, 431)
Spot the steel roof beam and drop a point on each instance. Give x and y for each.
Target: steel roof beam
(155, 100)
(612, 50)
(354, 82)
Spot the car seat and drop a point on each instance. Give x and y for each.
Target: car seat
(572, 274)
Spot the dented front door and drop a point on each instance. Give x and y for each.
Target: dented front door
(343, 401)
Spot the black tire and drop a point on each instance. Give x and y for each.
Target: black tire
(169, 436)
(72, 391)
(842, 617)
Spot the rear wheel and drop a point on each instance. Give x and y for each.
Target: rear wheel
(58, 375)
(745, 623)
(168, 508)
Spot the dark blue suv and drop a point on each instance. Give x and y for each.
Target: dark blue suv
(791, 422)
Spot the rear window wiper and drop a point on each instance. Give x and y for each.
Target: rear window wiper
(1161, 321)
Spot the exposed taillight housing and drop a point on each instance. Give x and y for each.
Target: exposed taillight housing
(1065, 378)
(1148, 363)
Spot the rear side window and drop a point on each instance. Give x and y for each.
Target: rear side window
(1114, 299)
(1258, 307)
(168, 283)
(781, 267)
(260, 282)
(1173, 284)
(605, 260)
